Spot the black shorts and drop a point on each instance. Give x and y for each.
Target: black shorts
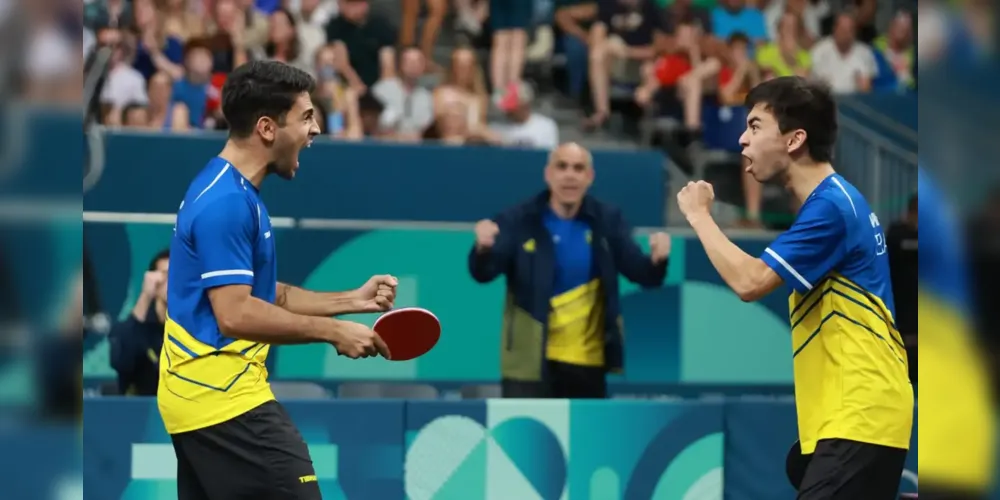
(849, 470)
(563, 381)
(258, 455)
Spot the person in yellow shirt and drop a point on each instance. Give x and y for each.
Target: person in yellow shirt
(786, 56)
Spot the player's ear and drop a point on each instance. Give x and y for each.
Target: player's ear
(795, 140)
(267, 128)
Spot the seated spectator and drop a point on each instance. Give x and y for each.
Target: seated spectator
(841, 61)
(162, 114)
(785, 56)
(123, 84)
(52, 64)
(897, 48)
(179, 20)
(311, 17)
(451, 126)
(409, 108)
(621, 41)
(370, 111)
(338, 101)
(136, 341)
(739, 74)
(436, 10)
(113, 14)
(510, 20)
(227, 37)
(808, 13)
(364, 43)
(735, 16)
(574, 19)
(283, 43)
(525, 127)
(190, 94)
(464, 80)
(156, 50)
(240, 19)
(135, 116)
(864, 12)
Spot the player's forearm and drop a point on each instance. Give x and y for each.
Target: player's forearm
(732, 263)
(300, 301)
(260, 321)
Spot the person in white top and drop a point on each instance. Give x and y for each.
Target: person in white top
(525, 127)
(846, 65)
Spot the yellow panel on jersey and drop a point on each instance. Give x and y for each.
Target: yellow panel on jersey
(576, 326)
(201, 386)
(957, 432)
(851, 376)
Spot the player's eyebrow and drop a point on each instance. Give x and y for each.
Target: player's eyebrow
(753, 120)
(309, 112)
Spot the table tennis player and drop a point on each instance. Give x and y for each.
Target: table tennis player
(561, 253)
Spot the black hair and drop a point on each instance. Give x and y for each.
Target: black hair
(797, 103)
(368, 102)
(162, 254)
(261, 88)
(293, 48)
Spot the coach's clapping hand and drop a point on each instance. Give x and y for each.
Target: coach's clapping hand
(378, 294)
(659, 247)
(486, 234)
(696, 198)
(355, 340)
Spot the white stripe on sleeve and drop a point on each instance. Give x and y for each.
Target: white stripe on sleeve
(227, 272)
(788, 267)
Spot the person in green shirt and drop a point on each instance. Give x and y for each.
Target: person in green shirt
(785, 56)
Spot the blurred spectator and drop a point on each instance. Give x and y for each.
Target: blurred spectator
(510, 20)
(784, 56)
(621, 41)
(160, 109)
(684, 39)
(155, 50)
(841, 61)
(53, 66)
(451, 125)
(735, 16)
(897, 48)
(574, 18)
(739, 74)
(240, 19)
(524, 126)
(364, 43)
(336, 98)
(435, 9)
(283, 42)
(179, 21)
(311, 17)
(470, 15)
(123, 84)
(902, 242)
(228, 38)
(864, 12)
(190, 94)
(409, 108)
(808, 14)
(464, 80)
(370, 110)
(107, 14)
(135, 116)
(136, 341)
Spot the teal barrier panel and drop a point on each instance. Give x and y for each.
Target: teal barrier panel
(503, 449)
(693, 330)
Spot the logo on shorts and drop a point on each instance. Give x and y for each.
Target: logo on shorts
(307, 479)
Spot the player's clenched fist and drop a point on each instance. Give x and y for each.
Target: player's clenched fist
(355, 340)
(486, 234)
(696, 198)
(659, 247)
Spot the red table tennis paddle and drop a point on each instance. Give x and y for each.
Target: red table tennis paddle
(409, 332)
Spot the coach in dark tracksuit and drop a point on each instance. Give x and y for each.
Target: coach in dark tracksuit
(136, 341)
(562, 253)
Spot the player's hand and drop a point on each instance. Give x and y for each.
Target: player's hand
(358, 341)
(378, 294)
(696, 198)
(486, 234)
(151, 282)
(659, 247)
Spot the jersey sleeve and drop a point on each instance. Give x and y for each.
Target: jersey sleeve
(224, 233)
(811, 248)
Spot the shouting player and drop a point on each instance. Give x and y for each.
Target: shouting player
(225, 307)
(852, 391)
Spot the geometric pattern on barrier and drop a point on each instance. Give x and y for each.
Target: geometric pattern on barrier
(489, 450)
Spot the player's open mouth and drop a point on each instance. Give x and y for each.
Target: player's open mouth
(747, 163)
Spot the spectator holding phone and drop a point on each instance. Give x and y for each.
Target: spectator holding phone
(136, 341)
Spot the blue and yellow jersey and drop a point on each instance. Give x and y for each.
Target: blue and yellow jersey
(956, 434)
(222, 237)
(850, 367)
(576, 320)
